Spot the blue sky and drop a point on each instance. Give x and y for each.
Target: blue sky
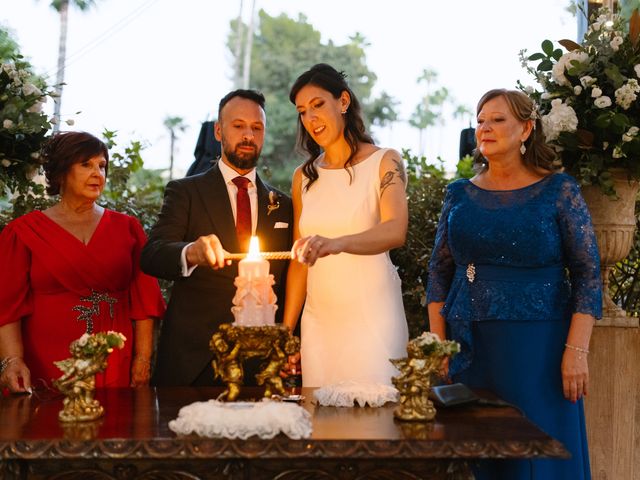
(133, 62)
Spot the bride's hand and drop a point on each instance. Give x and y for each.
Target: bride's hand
(309, 249)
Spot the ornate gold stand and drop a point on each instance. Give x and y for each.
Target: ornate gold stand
(233, 345)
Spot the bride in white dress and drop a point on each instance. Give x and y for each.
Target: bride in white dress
(350, 209)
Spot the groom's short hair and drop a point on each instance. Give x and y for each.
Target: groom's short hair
(252, 95)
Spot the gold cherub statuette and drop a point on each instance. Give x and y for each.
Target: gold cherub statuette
(425, 355)
(78, 383)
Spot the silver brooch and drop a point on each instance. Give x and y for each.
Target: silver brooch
(471, 272)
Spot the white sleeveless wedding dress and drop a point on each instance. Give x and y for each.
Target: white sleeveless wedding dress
(353, 320)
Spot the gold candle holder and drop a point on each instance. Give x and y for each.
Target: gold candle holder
(232, 345)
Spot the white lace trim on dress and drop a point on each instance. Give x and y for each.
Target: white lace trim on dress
(243, 419)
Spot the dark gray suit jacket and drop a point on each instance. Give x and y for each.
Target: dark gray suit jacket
(196, 206)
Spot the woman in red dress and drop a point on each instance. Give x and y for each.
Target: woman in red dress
(74, 269)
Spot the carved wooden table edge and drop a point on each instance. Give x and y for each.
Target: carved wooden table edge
(276, 448)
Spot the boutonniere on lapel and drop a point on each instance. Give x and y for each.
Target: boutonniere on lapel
(274, 202)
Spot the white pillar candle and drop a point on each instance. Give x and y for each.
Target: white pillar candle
(254, 304)
(253, 265)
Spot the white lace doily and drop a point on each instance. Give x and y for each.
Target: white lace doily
(346, 394)
(242, 419)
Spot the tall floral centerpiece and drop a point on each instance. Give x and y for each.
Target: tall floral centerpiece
(23, 128)
(590, 114)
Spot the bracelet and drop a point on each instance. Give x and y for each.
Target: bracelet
(4, 363)
(577, 349)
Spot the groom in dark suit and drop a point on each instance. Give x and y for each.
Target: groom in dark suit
(203, 217)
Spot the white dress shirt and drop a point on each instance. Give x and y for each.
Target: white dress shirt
(229, 174)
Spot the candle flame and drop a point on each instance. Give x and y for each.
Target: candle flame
(254, 249)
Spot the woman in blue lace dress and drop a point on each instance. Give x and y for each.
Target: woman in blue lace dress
(515, 278)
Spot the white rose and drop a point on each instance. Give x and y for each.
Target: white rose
(636, 69)
(7, 124)
(31, 89)
(545, 96)
(596, 92)
(82, 341)
(615, 43)
(587, 81)
(8, 68)
(557, 72)
(5, 163)
(602, 102)
(577, 90)
(565, 63)
(630, 134)
(35, 108)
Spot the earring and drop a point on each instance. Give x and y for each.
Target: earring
(523, 149)
(344, 111)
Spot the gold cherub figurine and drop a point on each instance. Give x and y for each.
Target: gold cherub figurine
(78, 383)
(227, 364)
(425, 355)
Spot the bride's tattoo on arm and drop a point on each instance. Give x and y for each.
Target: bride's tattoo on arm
(389, 177)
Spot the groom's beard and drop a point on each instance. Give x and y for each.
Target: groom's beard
(240, 159)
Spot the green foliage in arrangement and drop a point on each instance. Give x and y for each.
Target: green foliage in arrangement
(131, 189)
(8, 46)
(23, 128)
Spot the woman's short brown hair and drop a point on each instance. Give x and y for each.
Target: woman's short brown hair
(538, 153)
(65, 149)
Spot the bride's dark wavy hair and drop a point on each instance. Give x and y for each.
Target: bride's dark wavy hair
(538, 153)
(326, 77)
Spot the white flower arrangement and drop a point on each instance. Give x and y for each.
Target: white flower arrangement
(24, 125)
(430, 345)
(589, 100)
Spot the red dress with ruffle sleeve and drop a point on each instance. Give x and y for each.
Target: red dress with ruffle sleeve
(60, 288)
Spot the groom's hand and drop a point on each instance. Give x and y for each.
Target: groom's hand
(207, 250)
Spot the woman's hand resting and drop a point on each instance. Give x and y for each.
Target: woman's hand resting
(16, 376)
(575, 374)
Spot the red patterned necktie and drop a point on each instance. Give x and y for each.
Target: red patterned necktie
(243, 212)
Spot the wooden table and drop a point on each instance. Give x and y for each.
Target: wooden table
(133, 440)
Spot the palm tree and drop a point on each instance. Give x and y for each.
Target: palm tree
(62, 7)
(174, 125)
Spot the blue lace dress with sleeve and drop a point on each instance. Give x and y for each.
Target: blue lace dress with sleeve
(518, 264)
(530, 236)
